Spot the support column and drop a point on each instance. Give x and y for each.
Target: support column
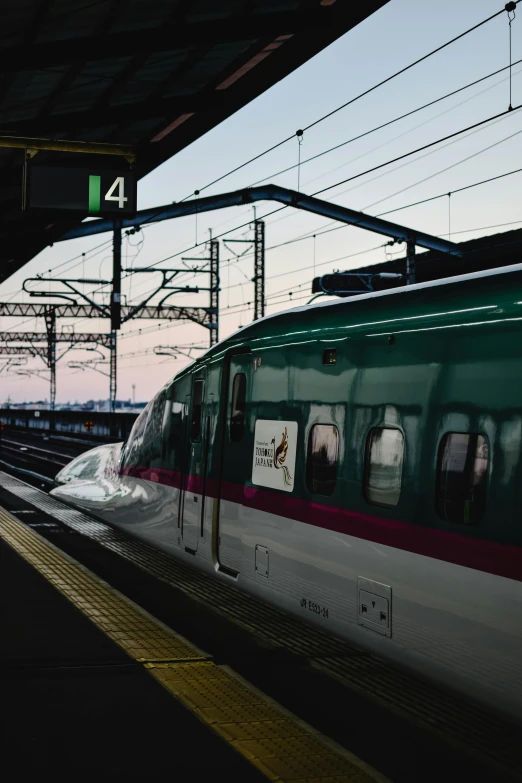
(116, 277)
(259, 269)
(214, 291)
(50, 326)
(113, 368)
(115, 314)
(410, 262)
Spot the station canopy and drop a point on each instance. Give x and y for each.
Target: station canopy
(155, 75)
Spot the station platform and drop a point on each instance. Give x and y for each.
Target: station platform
(121, 662)
(82, 688)
(75, 703)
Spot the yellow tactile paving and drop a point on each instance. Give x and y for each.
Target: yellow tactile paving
(279, 745)
(142, 637)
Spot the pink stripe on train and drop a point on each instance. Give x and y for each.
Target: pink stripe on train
(469, 551)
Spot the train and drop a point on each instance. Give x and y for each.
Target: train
(356, 463)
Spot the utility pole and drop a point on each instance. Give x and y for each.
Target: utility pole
(44, 345)
(115, 312)
(214, 291)
(259, 269)
(50, 313)
(113, 371)
(116, 278)
(259, 264)
(410, 262)
(50, 327)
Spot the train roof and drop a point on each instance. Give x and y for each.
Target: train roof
(393, 293)
(399, 303)
(407, 290)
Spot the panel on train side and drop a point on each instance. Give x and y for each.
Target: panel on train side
(193, 485)
(237, 458)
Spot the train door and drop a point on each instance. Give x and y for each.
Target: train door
(183, 409)
(237, 462)
(193, 483)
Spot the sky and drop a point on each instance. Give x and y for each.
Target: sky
(390, 39)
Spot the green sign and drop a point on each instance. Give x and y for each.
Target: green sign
(101, 193)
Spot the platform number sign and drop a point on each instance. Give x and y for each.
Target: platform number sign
(100, 193)
(116, 193)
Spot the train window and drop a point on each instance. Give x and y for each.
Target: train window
(384, 457)
(197, 408)
(129, 444)
(321, 461)
(237, 411)
(174, 434)
(154, 427)
(330, 356)
(462, 473)
(133, 452)
(75, 470)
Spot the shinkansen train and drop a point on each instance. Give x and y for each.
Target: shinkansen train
(357, 463)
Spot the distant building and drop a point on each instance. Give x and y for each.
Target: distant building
(122, 406)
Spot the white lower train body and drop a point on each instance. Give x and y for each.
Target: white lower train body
(454, 625)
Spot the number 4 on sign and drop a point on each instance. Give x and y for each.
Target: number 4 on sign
(119, 183)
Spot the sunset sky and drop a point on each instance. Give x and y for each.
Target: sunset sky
(396, 35)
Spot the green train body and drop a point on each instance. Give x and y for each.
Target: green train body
(358, 465)
(443, 358)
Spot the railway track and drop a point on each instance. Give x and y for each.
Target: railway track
(38, 457)
(35, 453)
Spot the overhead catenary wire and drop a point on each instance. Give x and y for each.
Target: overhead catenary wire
(414, 160)
(280, 294)
(369, 250)
(369, 90)
(319, 232)
(79, 258)
(396, 209)
(344, 105)
(444, 170)
(410, 130)
(405, 155)
(419, 149)
(386, 124)
(360, 174)
(351, 101)
(453, 141)
(284, 293)
(332, 261)
(379, 127)
(478, 125)
(409, 162)
(356, 176)
(455, 190)
(324, 263)
(104, 244)
(170, 325)
(275, 295)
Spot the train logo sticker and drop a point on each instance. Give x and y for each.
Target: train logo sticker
(274, 454)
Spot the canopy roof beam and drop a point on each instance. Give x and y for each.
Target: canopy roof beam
(290, 198)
